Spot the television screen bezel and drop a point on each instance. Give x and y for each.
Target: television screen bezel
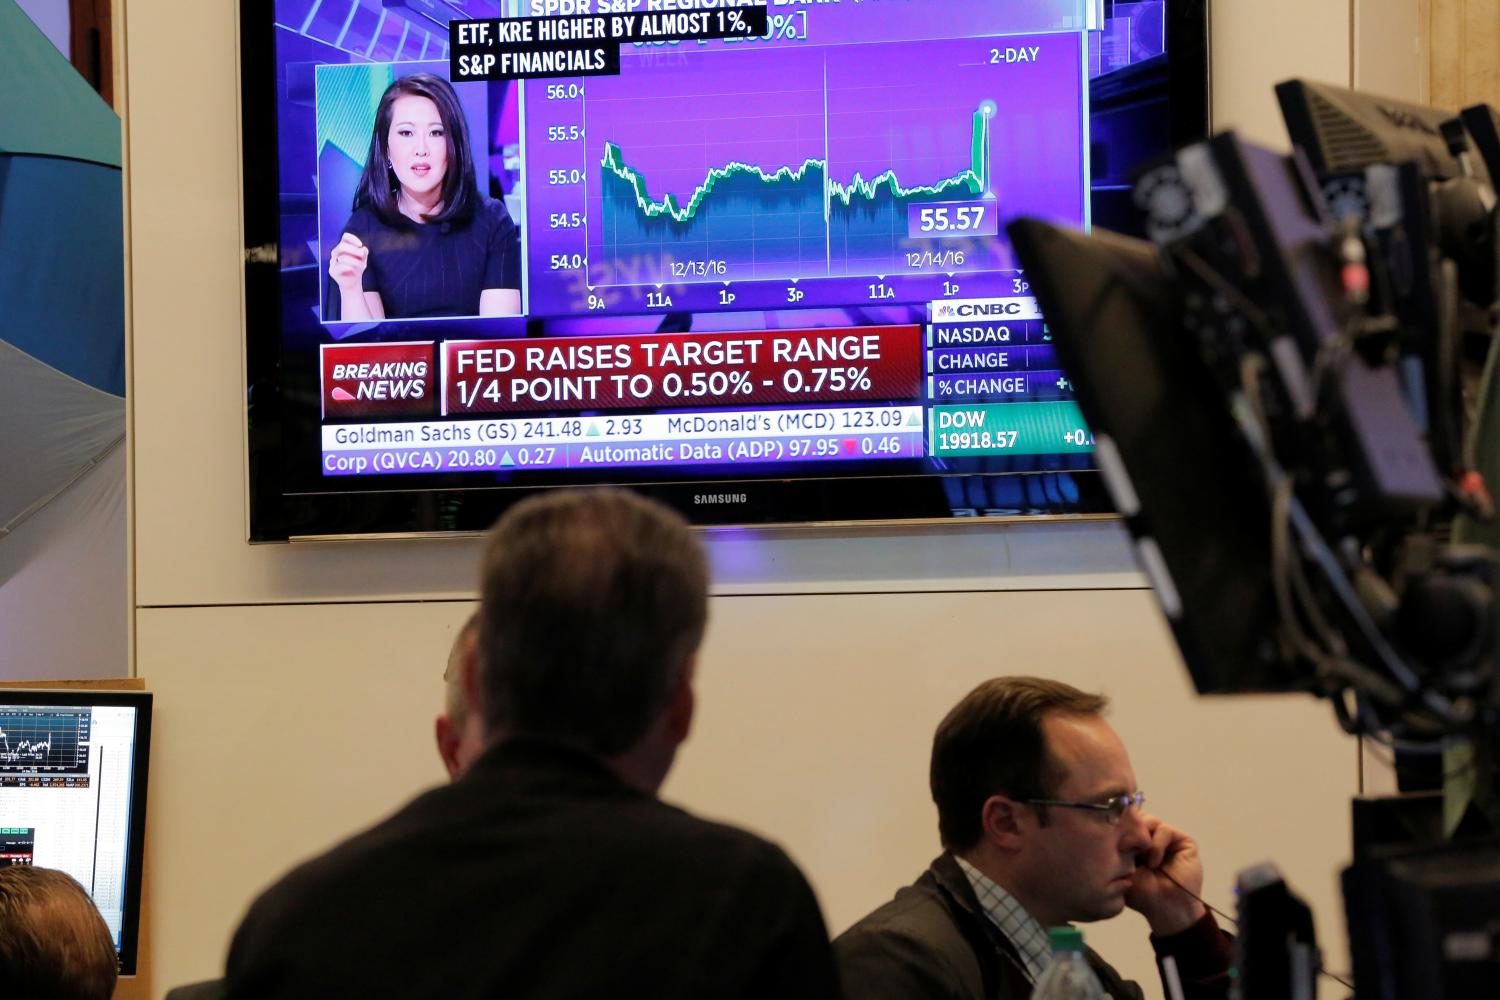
(275, 514)
(135, 851)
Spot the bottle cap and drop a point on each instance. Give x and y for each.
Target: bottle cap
(1065, 938)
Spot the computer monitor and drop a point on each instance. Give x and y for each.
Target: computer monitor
(73, 795)
(1483, 125)
(1154, 409)
(1157, 380)
(688, 245)
(1423, 922)
(1290, 271)
(1343, 130)
(1343, 133)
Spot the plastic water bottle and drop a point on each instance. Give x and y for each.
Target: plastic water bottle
(1069, 977)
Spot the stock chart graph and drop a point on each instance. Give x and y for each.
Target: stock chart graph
(52, 741)
(846, 162)
(742, 222)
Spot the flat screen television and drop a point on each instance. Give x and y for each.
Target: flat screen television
(764, 279)
(73, 795)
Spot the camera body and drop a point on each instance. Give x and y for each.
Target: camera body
(1292, 393)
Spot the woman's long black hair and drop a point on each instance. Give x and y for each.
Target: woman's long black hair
(377, 184)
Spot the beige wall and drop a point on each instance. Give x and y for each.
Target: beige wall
(1465, 39)
(282, 729)
(1258, 44)
(295, 683)
(1390, 52)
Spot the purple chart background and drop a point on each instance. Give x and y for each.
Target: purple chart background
(904, 112)
(758, 166)
(911, 108)
(678, 116)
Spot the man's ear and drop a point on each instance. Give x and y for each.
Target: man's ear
(682, 704)
(468, 676)
(1002, 818)
(447, 744)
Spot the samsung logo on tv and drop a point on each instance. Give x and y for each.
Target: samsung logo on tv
(716, 498)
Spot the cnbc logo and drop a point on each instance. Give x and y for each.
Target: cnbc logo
(958, 310)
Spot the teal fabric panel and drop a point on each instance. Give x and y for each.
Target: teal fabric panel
(62, 266)
(48, 108)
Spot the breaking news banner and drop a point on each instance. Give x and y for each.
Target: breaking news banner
(781, 368)
(584, 39)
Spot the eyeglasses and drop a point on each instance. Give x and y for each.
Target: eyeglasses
(1113, 808)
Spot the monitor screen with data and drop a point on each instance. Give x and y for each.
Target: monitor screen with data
(73, 795)
(747, 257)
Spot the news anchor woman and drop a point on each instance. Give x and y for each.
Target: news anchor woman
(421, 239)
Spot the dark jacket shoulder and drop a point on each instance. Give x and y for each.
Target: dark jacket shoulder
(510, 879)
(933, 940)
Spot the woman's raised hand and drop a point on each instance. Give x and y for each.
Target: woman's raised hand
(346, 265)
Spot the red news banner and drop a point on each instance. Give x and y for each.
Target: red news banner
(778, 367)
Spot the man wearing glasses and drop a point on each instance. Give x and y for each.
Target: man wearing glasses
(1042, 825)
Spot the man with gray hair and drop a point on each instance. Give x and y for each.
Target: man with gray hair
(550, 868)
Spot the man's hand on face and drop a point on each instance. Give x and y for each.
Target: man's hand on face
(1167, 908)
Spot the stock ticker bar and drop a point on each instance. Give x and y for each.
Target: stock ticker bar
(992, 351)
(979, 379)
(1014, 387)
(967, 360)
(1009, 429)
(719, 438)
(987, 333)
(992, 371)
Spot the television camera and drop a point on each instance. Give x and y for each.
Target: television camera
(1292, 392)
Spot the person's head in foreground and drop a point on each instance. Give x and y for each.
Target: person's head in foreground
(54, 945)
(551, 868)
(594, 605)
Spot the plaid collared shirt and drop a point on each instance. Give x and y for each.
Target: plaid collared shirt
(1018, 926)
